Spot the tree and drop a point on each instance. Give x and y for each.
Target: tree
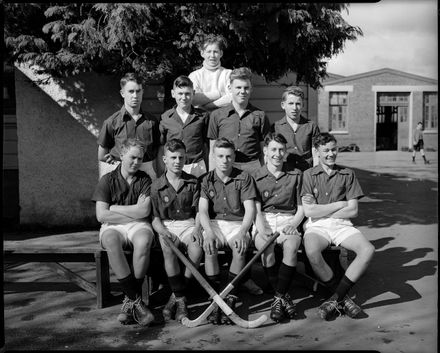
(160, 40)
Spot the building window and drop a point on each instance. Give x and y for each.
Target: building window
(430, 111)
(338, 111)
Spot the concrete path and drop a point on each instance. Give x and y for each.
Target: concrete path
(398, 293)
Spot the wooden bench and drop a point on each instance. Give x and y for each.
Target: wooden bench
(84, 247)
(72, 247)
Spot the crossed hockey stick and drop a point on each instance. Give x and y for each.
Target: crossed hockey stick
(218, 298)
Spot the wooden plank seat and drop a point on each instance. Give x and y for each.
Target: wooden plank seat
(71, 247)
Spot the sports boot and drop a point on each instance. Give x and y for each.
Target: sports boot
(289, 306)
(231, 301)
(328, 308)
(170, 308)
(276, 308)
(141, 313)
(351, 309)
(125, 316)
(181, 310)
(214, 317)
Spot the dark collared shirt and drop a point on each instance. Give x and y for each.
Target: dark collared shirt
(299, 143)
(226, 200)
(341, 185)
(113, 189)
(169, 204)
(192, 132)
(120, 126)
(246, 132)
(280, 194)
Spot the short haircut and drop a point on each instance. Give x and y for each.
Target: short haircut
(420, 123)
(132, 142)
(214, 39)
(174, 145)
(273, 136)
(295, 90)
(130, 76)
(183, 81)
(241, 73)
(223, 142)
(324, 138)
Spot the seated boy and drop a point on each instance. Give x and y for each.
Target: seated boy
(188, 124)
(330, 196)
(226, 209)
(279, 209)
(122, 199)
(175, 197)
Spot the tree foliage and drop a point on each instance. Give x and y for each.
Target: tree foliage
(160, 40)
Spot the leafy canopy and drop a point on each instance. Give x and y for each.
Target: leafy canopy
(161, 40)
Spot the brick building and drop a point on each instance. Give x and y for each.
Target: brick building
(378, 110)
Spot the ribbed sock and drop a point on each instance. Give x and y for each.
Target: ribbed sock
(332, 284)
(285, 277)
(177, 285)
(129, 286)
(214, 281)
(344, 286)
(272, 275)
(231, 276)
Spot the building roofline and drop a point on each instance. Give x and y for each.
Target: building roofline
(378, 72)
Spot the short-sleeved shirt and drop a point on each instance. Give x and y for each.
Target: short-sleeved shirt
(341, 185)
(245, 132)
(299, 143)
(121, 125)
(113, 189)
(226, 200)
(169, 204)
(192, 132)
(280, 194)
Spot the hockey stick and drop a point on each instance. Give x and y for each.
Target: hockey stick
(202, 318)
(217, 299)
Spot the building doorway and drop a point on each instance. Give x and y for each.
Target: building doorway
(389, 107)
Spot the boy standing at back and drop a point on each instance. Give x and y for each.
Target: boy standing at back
(300, 133)
(330, 195)
(188, 124)
(128, 122)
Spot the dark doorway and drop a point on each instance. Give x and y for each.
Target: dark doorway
(386, 129)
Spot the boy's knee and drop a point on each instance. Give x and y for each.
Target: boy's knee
(111, 240)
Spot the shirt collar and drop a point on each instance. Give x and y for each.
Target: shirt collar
(125, 115)
(338, 169)
(236, 174)
(164, 183)
(231, 110)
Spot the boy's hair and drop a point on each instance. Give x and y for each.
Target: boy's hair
(130, 76)
(273, 136)
(295, 90)
(241, 73)
(420, 123)
(323, 139)
(174, 145)
(214, 39)
(132, 142)
(223, 142)
(183, 81)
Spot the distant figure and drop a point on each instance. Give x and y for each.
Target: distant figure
(418, 143)
(211, 80)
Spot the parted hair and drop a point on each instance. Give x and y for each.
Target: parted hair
(324, 138)
(241, 73)
(223, 142)
(174, 145)
(214, 39)
(130, 76)
(183, 81)
(273, 136)
(132, 142)
(295, 90)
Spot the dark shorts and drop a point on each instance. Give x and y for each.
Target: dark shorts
(418, 146)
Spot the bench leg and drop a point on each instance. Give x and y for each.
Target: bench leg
(102, 278)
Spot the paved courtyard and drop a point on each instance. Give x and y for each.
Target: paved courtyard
(398, 293)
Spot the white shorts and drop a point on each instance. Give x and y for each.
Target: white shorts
(226, 231)
(182, 229)
(127, 230)
(275, 222)
(147, 167)
(197, 169)
(334, 230)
